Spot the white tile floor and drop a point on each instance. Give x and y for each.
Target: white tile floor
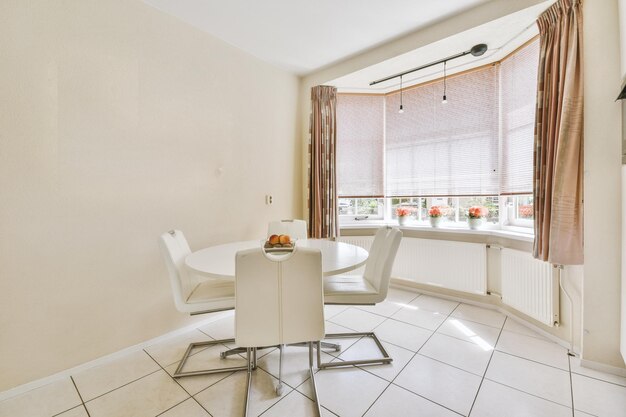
(450, 359)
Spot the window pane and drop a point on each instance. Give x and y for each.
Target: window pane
(346, 206)
(490, 203)
(444, 149)
(447, 206)
(411, 203)
(518, 93)
(369, 206)
(360, 131)
(525, 208)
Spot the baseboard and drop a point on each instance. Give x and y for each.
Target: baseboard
(108, 358)
(609, 369)
(411, 286)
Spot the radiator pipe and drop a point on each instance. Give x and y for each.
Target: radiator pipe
(571, 311)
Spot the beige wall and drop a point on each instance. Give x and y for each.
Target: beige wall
(117, 123)
(603, 240)
(622, 30)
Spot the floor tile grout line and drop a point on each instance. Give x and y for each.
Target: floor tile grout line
(526, 392)
(450, 365)
(460, 318)
(282, 397)
(80, 396)
(459, 339)
(174, 406)
(294, 387)
(377, 398)
(409, 361)
(69, 409)
(420, 327)
(330, 411)
(122, 386)
(426, 398)
(183, 388)
(415, 353)
(531, 360)
(191, 354)
(486, 368)
(599, 379)
(539, 337)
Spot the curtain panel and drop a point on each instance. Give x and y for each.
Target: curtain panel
(558, 154)
(322, 201)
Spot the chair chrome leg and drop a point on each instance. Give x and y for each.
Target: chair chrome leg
(384, 360)
(279, 388)
(315, 395)
(179, 370)
(326, 345)
(246, 400)
(233, 351)
(237, 350)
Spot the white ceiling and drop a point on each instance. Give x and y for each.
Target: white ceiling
(502, 37)
(302, 36)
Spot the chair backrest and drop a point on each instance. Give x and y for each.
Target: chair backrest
(175, 248)
(379, 239)
(295, 228)
(278, 299)
(380, 268)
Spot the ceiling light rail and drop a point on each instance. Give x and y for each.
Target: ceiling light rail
(477, 50)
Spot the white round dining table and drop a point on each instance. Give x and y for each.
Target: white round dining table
(219, 261)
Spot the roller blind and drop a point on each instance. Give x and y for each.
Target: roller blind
(360, 142)
(436, 149)
(518, 78)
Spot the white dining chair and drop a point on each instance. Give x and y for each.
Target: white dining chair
(294, 228)
(367, 289)
(279, 300)
(195, 296)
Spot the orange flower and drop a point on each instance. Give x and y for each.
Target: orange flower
(477, 212)
(403, 211)
(435, 211)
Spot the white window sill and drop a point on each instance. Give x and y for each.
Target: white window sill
(515, 234)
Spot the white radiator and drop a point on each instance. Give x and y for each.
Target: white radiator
(458, 266)
(530, 286)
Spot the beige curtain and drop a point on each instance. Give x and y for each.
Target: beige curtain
(558, 166)
(322, 173)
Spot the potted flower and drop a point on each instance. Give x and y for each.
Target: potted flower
(476, 216)
(403, 214)
(435, 214)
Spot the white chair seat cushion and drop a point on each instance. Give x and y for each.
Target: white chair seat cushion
(212, 290)
(347, 285)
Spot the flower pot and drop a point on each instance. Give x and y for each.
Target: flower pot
(435, 221)
(475, 223)
(403, 220)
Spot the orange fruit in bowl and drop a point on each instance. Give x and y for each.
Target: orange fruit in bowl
(274, 239)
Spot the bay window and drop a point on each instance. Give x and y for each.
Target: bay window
(476, 149)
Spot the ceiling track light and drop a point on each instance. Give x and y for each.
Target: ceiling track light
(476, 50)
